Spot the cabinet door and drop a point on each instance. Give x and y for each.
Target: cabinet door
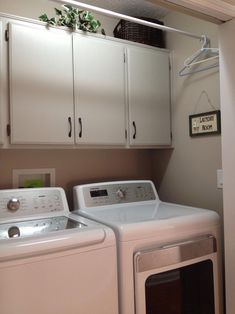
(149, 97)
(99, 87)
(41, 85)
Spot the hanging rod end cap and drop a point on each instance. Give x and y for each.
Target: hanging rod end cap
(206, 41)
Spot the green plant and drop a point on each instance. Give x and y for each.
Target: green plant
(74, 19)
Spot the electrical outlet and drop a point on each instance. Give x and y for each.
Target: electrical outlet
(219, 178)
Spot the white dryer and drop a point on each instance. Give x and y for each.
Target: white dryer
(53, 262)
(168, 254)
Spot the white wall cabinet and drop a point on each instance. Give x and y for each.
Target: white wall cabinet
(77, 89)
(41, 85)
(148, 97)
(99, 89)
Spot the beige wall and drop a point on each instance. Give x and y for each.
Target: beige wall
(227, 48)
(78, 166)
(187, 174)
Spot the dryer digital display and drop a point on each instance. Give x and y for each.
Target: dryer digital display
(98, 193)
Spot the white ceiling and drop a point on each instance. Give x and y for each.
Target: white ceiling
(141, 8)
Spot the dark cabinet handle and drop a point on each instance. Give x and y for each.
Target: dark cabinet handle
(134, 125)
(70, 126)
(80, 124)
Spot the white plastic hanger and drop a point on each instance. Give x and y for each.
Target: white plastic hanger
(195, 59)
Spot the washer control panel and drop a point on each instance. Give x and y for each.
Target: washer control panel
(26, 202)
(115, 193)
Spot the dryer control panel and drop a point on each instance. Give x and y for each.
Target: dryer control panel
(109, 193)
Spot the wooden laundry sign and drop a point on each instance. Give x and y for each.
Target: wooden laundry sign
(205, 123)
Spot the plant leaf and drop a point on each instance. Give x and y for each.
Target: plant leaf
(58, 12)
(87, 16)
(52, 21)
(74, 19)
(67, 7)
(43, 18)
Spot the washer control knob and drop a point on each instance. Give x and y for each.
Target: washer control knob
(13, 232)
(13, 204)
(121, 194)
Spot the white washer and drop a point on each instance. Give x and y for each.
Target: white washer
(53, 262)
(168, 254)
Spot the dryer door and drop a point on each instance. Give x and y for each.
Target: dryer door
(181, 278)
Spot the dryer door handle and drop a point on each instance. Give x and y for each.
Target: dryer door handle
(175, 253)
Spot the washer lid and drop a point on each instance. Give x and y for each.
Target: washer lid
(136, 221)
(84, 239)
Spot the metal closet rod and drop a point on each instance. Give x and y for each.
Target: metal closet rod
(129, 18)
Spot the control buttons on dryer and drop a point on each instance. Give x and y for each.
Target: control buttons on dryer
(13, 204)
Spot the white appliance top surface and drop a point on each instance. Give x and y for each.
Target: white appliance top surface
(149, 220)
(154, 211)
(136, 220)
